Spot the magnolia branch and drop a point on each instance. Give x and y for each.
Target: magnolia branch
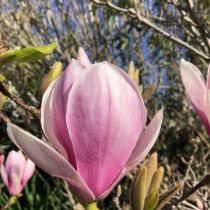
(204, 182)
(18, 101)
(4, 118)
(131, 12)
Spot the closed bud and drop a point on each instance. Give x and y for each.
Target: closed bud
(133, 73)
(136, 77)
(151, 165)
(151, 200)
(131, 69)
(53, 74)
(156, 180)
(146, 186)
(139, 189)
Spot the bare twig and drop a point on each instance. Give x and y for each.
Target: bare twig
(199, 23)
(4, 118)
(134, 14)
(18, 101)
(205, 181)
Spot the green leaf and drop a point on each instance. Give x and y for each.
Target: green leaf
(22, 55)
(167, 196)
(152, 200)
(2, 78)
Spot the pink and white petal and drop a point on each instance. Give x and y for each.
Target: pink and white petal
(15, 159)
(146, 140)
(83, 58)
(194, 84)
(208, 78)
(105, 117)
(59, 125)
(49, 160)
(205, 117)
(196, 90)
(72, 72)
(142, 148)
(58, 102)
(47, 119)
(4, 175)
(14, 180)
(28, 171)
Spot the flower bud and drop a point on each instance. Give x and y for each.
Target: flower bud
(139, 188)
(16, 172)
(53, 74)
(133, 73)
(145, 191)
(156, 180)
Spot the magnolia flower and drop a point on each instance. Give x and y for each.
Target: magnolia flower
(94, 118)
(198, 90)
(16, 172)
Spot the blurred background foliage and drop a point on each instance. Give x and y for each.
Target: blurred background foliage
(106, 33)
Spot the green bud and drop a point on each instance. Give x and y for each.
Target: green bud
(151, 165)
(131, 69)
(156, 180)
(136, 76)
(139, 189)
(152, 200)
(53, 74)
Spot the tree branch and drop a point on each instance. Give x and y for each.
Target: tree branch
(18, 101)
(136, 15)
(4, 118)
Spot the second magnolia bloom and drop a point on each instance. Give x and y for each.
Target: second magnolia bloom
(16, 172)
(198, 90)
(95, 118)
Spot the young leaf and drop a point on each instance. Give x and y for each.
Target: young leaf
(151, 200)
(22, 55)
(167, 196)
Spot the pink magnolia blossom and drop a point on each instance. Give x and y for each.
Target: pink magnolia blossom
(16, 172)
(198, 90)
(95, 120)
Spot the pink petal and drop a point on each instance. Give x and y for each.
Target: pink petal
(15, 187)
(208, 111)
(47, 119)
(15, 159)
(28, 171)
(4, 175)
(83, 58)
(49, 160)
(146, 141)
(73, 70)
(59, 101)
(208, 78)
(144, 145)
(105, 116)
(194, 84)
(196, 90)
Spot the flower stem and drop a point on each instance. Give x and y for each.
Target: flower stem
(12, 201)
(92, 206)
